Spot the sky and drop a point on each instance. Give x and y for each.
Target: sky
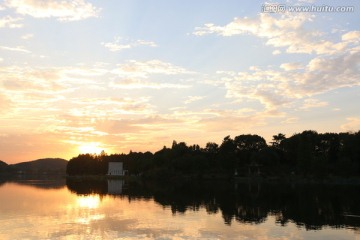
(118, 75)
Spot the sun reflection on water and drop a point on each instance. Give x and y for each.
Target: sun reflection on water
(90, 218)
(88, 209)
(91, 201)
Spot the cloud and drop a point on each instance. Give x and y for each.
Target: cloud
(15, 49)
(143, 124)
(191, 99)
(221, 120)
(31, 83)
(27, 36)
(290, 120)
(128, 83)
(276, 52)
(50, 101)
(152, 74)
(265, 86)
(353, 124)
(291, 66)
(10, 22)
(116, 45)
(5, 103)
(351, 36)
(65, 10)
(84, 71)
(27, 79)
(225, 121)
(146, 43)
(55, 101)
(264, 25)
(287, 30)
(313, 103)
(114, 106)
(82, 132)
(100, 77)
(231, 123)
(274, 87)
(324, 74)
(138, 69)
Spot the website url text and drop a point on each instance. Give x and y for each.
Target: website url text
(282, 8)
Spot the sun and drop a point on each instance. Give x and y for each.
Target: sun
(92, 147)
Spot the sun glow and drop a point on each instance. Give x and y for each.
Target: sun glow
(92, 147)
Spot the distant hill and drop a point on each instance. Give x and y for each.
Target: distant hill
(3, 166)
(40, 166)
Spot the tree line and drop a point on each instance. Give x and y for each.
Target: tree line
(303, 154)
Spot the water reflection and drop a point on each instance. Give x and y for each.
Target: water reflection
(309, 206)
(90, 201)
(39, 181)
(143, 210)
(114, 186)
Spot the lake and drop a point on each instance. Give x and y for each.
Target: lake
(114, 209)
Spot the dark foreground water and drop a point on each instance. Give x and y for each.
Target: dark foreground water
(74, 209)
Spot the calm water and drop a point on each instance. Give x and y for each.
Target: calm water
(115, 210)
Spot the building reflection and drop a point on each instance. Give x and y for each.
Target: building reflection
(115, 186)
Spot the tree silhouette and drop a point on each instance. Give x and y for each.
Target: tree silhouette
(308, 154)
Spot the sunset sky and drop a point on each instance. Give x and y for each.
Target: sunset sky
(119, 75)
